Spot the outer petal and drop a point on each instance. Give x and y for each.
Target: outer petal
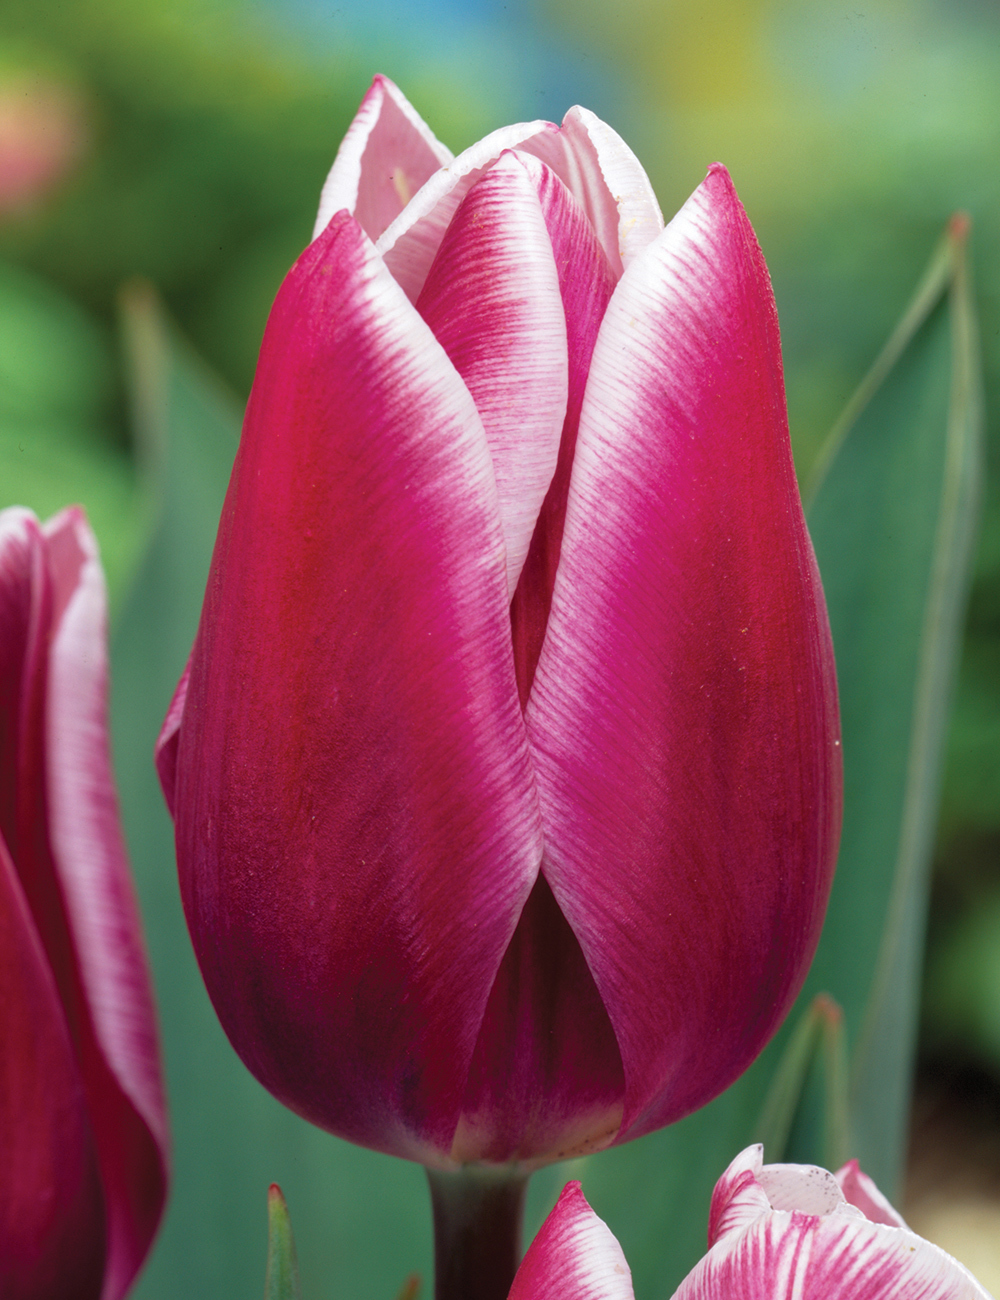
(492, 299)
(385, 157)
(575, 1256)
(410, 244)
(683, 716)
(608, 181)
(791, 1256)
(357, 824)
(120, 1061)
(52, 1232)
(861, 1191)
(738, 1198)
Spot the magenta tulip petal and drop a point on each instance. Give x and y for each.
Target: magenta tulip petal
(410, 244)
(79, 1027)
(683, 715)
(357, 826)
(586, 283)
(492, 300)
(575, 1256)
(52, 1234)
(385, 157)
(800, 1256)
(607, 180)
(860, 1190)
(121, 1073)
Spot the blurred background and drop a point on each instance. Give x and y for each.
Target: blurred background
(186, 141)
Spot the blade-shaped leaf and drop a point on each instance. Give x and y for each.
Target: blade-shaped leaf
(918, 447)
(282, 1281)
(58, 440)
(810, 1085)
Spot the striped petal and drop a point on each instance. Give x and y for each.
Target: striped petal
(121, 1064)
(385, 157)
(683, 715)
(357, 822)
(575, 1256)
(410, 244)
(492, 299)
(738, 1198)
(800, 1256)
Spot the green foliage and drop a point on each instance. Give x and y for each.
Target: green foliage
(282, 1281)
(210, 134)
(59, 440)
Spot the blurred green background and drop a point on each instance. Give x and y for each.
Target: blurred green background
(186, 141)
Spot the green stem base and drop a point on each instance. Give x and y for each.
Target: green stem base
(477, 1231)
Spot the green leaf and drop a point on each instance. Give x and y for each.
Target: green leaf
(892, 522)
(230, 1137)
(813, 1062)
(282, 1282)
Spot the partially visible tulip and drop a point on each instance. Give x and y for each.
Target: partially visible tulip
(82, 1123)
(776, 1232)
(506, 775)
(799, 1231)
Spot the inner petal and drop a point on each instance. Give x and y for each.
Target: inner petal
(546, 1080)
(387, 154)
(492, 299)
(586, 282)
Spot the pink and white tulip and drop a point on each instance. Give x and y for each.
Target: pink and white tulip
(82, 1121)
(776, 1232)
(799, 1231)
(505, 773)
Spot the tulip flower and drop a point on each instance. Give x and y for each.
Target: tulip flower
(82, 1121)
(505, 772)
(779, 1230)
(775, 1231)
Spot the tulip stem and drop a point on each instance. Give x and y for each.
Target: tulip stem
(477, 1231)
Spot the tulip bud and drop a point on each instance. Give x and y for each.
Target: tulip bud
(82, 1119)
(505, 774)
